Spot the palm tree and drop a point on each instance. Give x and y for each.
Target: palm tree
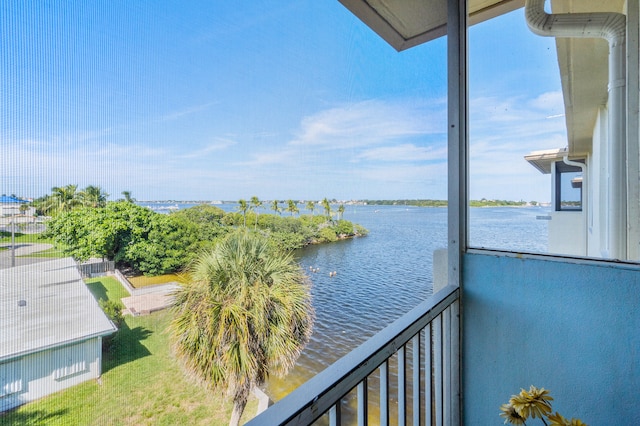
(245, 314)
(243, 207)
(311, 206)
(341, 210)
(292, 207)
(64, 199)
(274, 206)
(127, 197)
(327, 208)
(255, 205)
(93, 196)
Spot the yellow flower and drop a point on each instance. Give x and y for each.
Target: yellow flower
(534, 403)
(558, 420)
(510, 415)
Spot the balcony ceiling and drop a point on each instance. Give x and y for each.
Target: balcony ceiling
(407, 23)
(582, 62)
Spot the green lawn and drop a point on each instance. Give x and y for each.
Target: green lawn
(141, 384)
(5, 237)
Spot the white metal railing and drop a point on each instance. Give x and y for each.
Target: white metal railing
(415, 359)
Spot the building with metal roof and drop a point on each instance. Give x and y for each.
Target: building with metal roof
(51, 330)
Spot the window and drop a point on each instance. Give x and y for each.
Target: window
(568, 190)
(10, 380)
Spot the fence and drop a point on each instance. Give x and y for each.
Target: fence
(88, 270)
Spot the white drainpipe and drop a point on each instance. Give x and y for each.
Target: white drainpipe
(610, 26)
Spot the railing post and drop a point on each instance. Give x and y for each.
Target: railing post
(335, 415)
(402, 386)
(416, 377)
(384, 393)
(363, 406)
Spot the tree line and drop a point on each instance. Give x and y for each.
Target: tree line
(443, 203)
(153, 243)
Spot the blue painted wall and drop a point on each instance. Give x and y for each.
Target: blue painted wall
(571, 328)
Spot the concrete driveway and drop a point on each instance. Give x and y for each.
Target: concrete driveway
(21, 250)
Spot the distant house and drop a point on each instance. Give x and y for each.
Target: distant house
(10, 206)
(51, 330)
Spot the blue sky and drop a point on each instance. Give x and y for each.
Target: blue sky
(279, 99)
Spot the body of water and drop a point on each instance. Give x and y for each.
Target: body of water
(385, 274)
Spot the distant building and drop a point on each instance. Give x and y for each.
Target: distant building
(51, 330)
(10, 206)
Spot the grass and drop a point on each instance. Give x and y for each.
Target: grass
(141, 384)
(5, 237)
(143, 281)
(51, 252)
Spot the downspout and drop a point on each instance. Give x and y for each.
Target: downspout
(585, 198)
(612, 27)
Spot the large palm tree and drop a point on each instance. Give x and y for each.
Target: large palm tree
(245, 314)
(93, 196)
(64, 198)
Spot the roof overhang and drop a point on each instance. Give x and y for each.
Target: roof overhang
(584, 73)
(407, 23)
(542, 160)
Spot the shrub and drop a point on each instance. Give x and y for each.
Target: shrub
(327, 235)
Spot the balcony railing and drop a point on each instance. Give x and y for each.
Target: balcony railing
(425, 381)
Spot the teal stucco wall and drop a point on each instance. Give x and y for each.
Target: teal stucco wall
(572, 328)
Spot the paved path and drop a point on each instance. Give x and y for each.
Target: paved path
(21, 250)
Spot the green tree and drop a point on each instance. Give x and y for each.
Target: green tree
(164, 248)
(243, 207)
(292, 207)
(127, 197)
(245, 314)
(63, 199)
(274, 206)
(255, 205)
(149, 242)
(93, 196)
(311, 206)
(327, 208)
(207, 219)
(340, 211)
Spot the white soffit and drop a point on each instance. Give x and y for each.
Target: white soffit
(407, 23)
(542, 160)
(584, 73)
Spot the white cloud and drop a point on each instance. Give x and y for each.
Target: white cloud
(187, 111)
(369, 123)
(219, 144)
(405, 152)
